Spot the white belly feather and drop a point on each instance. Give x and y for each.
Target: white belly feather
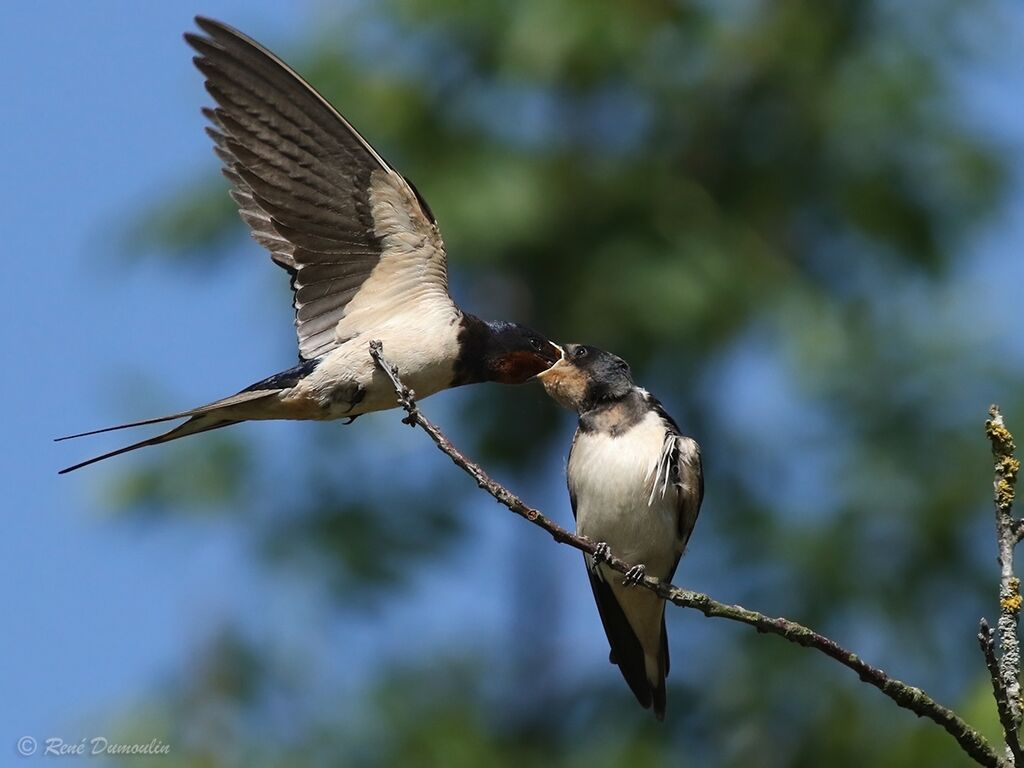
(622, 499)
(614, 479)
(423, 345)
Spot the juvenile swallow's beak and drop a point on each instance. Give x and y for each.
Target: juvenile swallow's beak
(559, 361)
(565, 381)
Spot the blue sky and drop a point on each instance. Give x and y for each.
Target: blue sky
(102, 112)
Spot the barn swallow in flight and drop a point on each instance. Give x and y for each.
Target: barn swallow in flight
(636, 485)
(362, 247)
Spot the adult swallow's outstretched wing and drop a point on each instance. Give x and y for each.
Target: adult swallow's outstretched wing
(362, 247)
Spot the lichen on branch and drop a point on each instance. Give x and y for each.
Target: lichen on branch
(1006, 675)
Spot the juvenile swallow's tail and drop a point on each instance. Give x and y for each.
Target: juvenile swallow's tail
(642, 659)
(661, 666)
(222, 413)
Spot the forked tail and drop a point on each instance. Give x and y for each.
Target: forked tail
(202, 423)
(221, 413)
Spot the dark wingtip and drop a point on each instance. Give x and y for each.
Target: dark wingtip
(216, 136)
(194, 41)
(218, 30)
(208, 25)
(659, 700)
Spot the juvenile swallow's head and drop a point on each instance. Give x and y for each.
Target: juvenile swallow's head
(586, 376)
(515, 353)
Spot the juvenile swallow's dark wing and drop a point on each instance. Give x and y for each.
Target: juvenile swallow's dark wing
(683, 469)
(689, 480)
(359, 242)
(687, 475)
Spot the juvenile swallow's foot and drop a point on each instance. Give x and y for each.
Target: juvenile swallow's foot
(602, 551)
(634, 575)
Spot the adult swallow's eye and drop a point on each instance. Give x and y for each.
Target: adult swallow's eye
(581, 352)
(535, 343)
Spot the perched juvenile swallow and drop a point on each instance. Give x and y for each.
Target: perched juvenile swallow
(362, 247)
(636, 485)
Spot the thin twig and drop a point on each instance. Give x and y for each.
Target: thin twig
(1008, 535)
(987, 641)
(906, 696)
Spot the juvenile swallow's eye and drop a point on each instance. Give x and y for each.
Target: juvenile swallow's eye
(535, 343)
(581, 352)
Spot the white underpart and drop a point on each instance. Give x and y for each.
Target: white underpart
(614, 480)
(422, 345)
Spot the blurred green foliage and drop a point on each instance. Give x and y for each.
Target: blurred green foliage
(763, 207)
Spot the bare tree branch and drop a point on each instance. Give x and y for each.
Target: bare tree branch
(987, 641)
(904, 695)
(1006, 678)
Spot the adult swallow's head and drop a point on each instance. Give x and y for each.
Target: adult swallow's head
(586, 376)
(514, 354)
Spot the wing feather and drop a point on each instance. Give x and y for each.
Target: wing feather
(358, 240)
(689, 480)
